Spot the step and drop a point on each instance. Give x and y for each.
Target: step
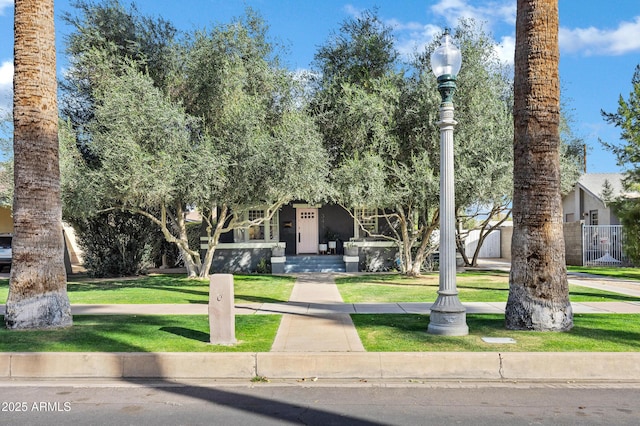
(314, 263)
(315, 258)
(289, 269)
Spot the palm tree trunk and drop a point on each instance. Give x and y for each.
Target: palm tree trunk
(538, 294)
(37, 287)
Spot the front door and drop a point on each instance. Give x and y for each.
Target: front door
(307, 224)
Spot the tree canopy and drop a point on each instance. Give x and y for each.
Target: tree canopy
(221, 133)
(627, 151)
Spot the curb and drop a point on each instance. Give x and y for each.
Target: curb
(482, 366)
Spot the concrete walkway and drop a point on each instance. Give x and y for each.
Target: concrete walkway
(321, 324)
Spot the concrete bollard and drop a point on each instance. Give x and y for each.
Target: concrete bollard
(222, 320)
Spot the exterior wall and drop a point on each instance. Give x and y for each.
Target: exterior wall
(335, 220)
(506, 233)
(6, 221)
(288, 228)
(578, 203)
(573, 243)
(235, 260)
(376, 256)
(377, 259)
(332, 219)
(571, 206)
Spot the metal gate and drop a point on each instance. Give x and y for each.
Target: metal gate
(602, 245)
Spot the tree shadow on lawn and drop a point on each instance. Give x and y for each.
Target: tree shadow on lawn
(84, 287)
(592, 332)
(266, 407)
(188, 333)
(184, 287)
(605, 297)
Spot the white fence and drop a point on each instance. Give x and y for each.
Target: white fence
(602, 245)
(490, 246)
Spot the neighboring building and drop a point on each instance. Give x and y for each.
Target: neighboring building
(586, 201)
(592, 232)
(73, 254)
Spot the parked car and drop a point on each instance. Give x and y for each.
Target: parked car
(5, 250)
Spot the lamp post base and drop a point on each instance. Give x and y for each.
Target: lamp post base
(448, 317)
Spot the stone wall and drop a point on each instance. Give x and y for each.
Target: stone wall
(573, 243)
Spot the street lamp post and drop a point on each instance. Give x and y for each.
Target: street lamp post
(448, 316)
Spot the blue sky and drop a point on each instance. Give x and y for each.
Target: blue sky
(599, 44)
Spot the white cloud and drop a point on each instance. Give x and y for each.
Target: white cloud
(6, 85)
(6, 73)
(491, 12)
(352, 10)
(417, 37)
(506, 49)
(5, 4)
(595, 41)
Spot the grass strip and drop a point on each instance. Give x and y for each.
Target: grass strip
(168, 288)
(476, 286)
(408, 333)
(142, 333)
(608, 271)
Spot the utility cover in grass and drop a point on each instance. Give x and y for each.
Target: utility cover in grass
(498, 340)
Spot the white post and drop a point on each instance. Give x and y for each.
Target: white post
(448, 316)
(222, 319)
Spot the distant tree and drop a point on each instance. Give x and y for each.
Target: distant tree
(627, 119)
(572, 151)
(37, 286)
(538, 287)
(6, 166)
(607, 195)
(628, 210)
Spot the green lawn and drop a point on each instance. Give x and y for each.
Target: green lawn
(167, 288)
(142, 333)
(379, 333)
(408, 333)
(626, 273)
(476, 286)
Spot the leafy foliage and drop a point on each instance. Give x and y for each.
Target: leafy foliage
(6, 166)
(627, 119)
(628, 153)
(116, 244)
(209, 122)
(380, 128)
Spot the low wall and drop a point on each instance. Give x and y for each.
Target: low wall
(573, 243)
(239, 259)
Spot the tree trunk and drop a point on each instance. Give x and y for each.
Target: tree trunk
(539, 292)
(217, 219)
(37, 288)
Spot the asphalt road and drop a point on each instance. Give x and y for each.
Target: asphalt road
(317, 403)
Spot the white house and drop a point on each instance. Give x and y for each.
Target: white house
(586, 201)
